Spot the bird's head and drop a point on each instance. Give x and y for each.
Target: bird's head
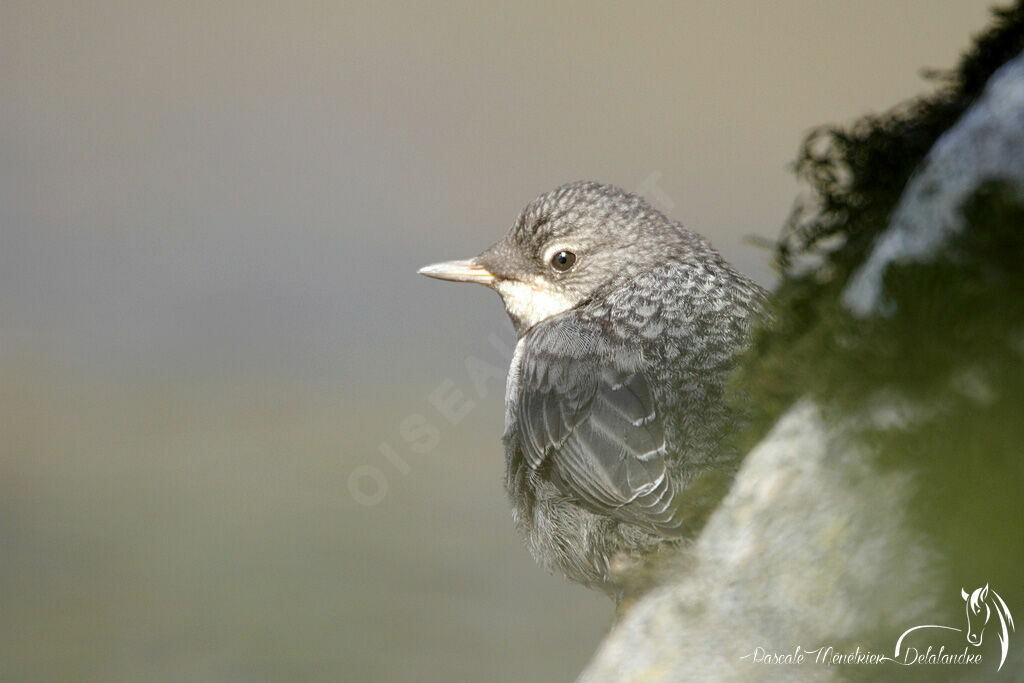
(569, 245)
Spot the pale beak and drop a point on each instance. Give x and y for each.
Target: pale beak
(459, 271)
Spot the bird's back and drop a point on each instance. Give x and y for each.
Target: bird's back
(616, 408)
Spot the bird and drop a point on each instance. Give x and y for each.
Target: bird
(617, 416)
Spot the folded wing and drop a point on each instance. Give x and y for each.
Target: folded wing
(587, 416)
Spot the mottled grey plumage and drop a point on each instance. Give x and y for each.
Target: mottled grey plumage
(615, 402)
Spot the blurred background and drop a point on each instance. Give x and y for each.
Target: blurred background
(222, 455)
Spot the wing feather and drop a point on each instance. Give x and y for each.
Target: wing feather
(586, 412)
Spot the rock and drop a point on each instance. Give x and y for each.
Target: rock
(798, 554)
(985, 144)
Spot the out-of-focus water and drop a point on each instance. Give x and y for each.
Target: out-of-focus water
(204, 531)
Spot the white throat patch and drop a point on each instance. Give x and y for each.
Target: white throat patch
(531, 302)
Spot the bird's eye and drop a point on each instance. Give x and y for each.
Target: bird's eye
(563, 260)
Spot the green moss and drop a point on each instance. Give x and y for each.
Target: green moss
(859, 172)
(858, 175)
(953, 349)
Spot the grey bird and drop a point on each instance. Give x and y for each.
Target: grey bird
(616, 417)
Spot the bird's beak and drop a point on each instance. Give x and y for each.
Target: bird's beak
(459, 271)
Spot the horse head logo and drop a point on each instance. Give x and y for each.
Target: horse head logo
(978, 608)
(981, 604)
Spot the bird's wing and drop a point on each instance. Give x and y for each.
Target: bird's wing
(587, 416)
